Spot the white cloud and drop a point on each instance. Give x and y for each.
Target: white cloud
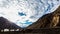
(30, 7)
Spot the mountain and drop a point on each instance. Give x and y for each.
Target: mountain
(5, 24)
(51, 20)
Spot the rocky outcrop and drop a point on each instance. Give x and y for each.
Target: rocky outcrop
(51, 20)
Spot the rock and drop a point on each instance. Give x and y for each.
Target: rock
(51, 20)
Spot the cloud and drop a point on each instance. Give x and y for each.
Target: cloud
(26, 12)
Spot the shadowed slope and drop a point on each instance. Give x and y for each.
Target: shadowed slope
(4, 23)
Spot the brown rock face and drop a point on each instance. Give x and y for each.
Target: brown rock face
(51, 20)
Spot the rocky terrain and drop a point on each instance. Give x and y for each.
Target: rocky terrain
(51, 20)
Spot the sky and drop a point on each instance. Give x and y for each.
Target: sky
(25, 12)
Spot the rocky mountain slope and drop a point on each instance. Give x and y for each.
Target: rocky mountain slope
(5, 24)
(51, 20)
